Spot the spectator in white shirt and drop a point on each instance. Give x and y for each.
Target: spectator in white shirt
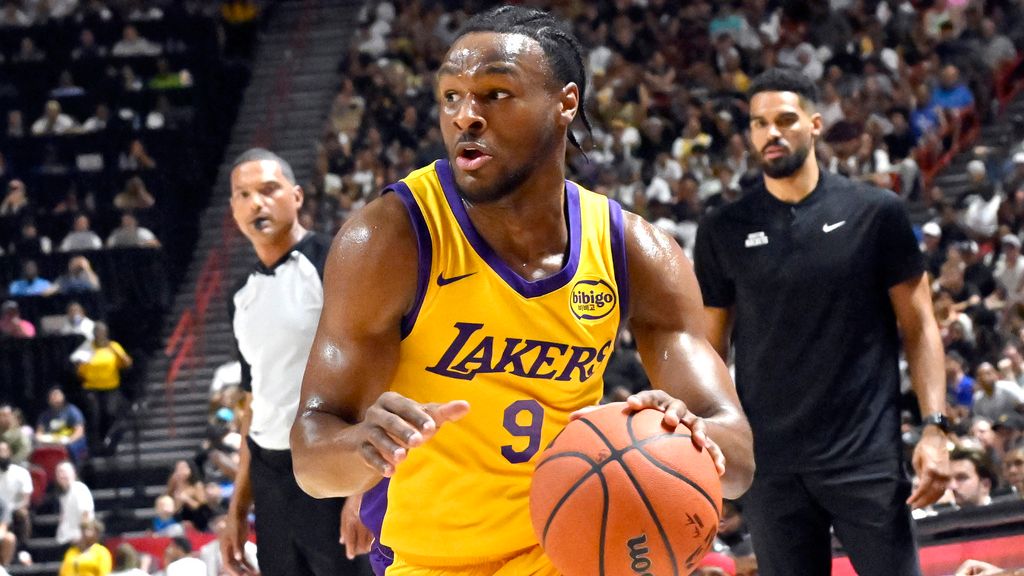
(132, 44)
(76, 504)
(994, 397)
(15, 493)
(1009, 269)
(980, 218)
(53, 121)
(81, 237)
(130, 235)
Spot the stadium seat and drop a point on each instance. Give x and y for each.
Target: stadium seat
(39, 482)
(47, 457)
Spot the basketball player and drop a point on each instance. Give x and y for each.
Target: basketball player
(815, 271)
(471, 310)
(274, 312)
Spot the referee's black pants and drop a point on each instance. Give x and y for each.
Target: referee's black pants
(296, 534)
(789, 516)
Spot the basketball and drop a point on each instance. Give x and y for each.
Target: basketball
(618, 494)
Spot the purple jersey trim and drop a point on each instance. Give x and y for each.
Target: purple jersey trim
(423, 246)
(371, 512)
(618, 232)
(524, 287)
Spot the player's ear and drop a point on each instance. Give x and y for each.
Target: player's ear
(569, 102)
(817, 124)
(299, 195)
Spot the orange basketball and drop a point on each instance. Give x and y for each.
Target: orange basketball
(618, 494)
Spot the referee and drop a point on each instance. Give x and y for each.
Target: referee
(811, 274)
(274, 314)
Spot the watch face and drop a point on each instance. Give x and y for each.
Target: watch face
(939, 420)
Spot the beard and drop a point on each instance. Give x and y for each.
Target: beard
(478, 192)
(785, 166)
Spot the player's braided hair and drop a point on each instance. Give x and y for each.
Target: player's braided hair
(563, 51)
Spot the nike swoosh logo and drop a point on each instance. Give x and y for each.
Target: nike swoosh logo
(830, 227)
(442, 281)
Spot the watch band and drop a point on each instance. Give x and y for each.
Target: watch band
(937, 419)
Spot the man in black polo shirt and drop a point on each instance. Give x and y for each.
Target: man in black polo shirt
(811, 274)
(274, 314)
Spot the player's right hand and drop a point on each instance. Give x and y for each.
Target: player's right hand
(232, 546)
(394, 424)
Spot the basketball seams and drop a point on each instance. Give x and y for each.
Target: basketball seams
(604, 520)
(661, 466)
(654, 516)
(618, 455)
(572, 489)
(595, 468)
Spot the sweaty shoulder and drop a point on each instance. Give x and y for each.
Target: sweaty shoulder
(660, 274)
(374, 255)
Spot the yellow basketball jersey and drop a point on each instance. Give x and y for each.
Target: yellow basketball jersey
(523, 354)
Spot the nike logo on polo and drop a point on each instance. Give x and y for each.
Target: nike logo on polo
(826, 228)
(442, 281)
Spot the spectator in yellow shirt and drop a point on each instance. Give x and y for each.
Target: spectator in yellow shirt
(88, 557)
(100, 373)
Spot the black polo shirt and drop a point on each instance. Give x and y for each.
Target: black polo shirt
(815, 333)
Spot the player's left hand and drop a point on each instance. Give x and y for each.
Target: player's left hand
(676, 413)
(356, 537)
(931, 464)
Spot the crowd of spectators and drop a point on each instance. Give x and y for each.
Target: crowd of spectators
(100, 107)
(904, 87)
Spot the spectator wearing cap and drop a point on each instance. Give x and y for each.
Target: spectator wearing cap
(981, 212)
(1015, 179)
(1009, 268)
(1009, 430)
(972, 478)
(931, 247)
(994, 397)
(12, 324)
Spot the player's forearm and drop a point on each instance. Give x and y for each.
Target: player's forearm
(326, 457)
(731, 432)
(923, 347)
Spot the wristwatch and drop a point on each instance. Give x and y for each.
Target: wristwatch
(937, 419)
